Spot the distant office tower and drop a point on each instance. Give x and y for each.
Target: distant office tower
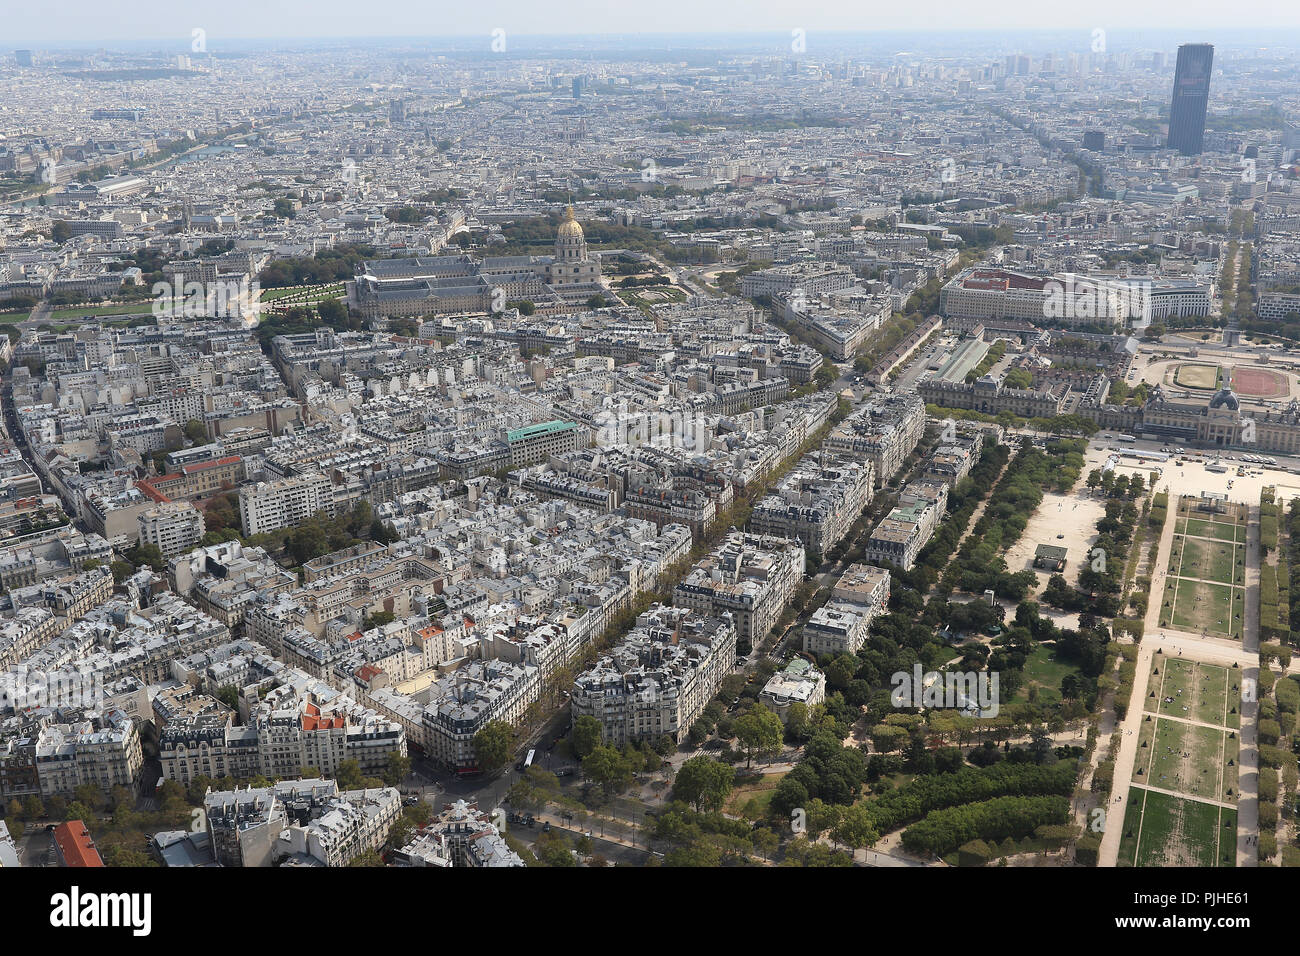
(1158, 61)
(24, 57)
(577, 87)
(397, 111)
(1191, 94)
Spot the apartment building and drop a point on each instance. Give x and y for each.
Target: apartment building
(658, 680)
(751, 577)
(101, 750)
(842, 624)
(535, 442)
(464, 703)
(817, 502)
(268, 506)
(172, 526)
(809, 278)
(901, 534)
(349, 825)
(460, 835)
(885, 429)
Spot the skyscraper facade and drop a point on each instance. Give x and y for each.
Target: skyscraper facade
(1191, 95)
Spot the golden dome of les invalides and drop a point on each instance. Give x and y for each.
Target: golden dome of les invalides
(569, 228)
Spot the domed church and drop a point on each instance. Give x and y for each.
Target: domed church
(572, 265)
(437, 285)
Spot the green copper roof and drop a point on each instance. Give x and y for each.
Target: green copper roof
(542, 428)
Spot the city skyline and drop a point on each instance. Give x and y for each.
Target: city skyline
(86, 22)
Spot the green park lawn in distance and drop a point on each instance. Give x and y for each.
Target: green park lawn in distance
(1213, 608)
(1162, 830)
(1199, 763)
(1214, 691)
(1186, 758)
(1213, 560)
(755, 796)
(135, 308)
(1044, 671)
(1200, 528)
(1211, 551)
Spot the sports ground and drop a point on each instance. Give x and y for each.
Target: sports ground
(1253, 382)
(1248, 381)
(1205, 377)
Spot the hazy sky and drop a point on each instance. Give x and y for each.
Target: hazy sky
(79, 22)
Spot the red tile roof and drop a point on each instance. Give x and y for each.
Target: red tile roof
(75, 845)
(323, 723)
(214, 463)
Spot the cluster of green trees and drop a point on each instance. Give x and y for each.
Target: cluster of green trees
(944, 831)
(729, 282)
(1060, 595)
(979, 565)
(1287, 329)
(115, 825)
(408, 215)
(716, 718)
(1159, 510)
(328, 265)
(221, 518)
(914, 800)
(631, 282)
(829, 772)
(1018, 378)
(493, 744)
(1055, 425)
(983, 237)
(1103, 569)
(963, 500)
(1121, 394)
(894, 329)
(1146, 256)
(705, 836)
(1085, 647)
(1279, 703)
(538, 234)
(1244, 302)
(321, 534)
(298, 320)
(1278, 582)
